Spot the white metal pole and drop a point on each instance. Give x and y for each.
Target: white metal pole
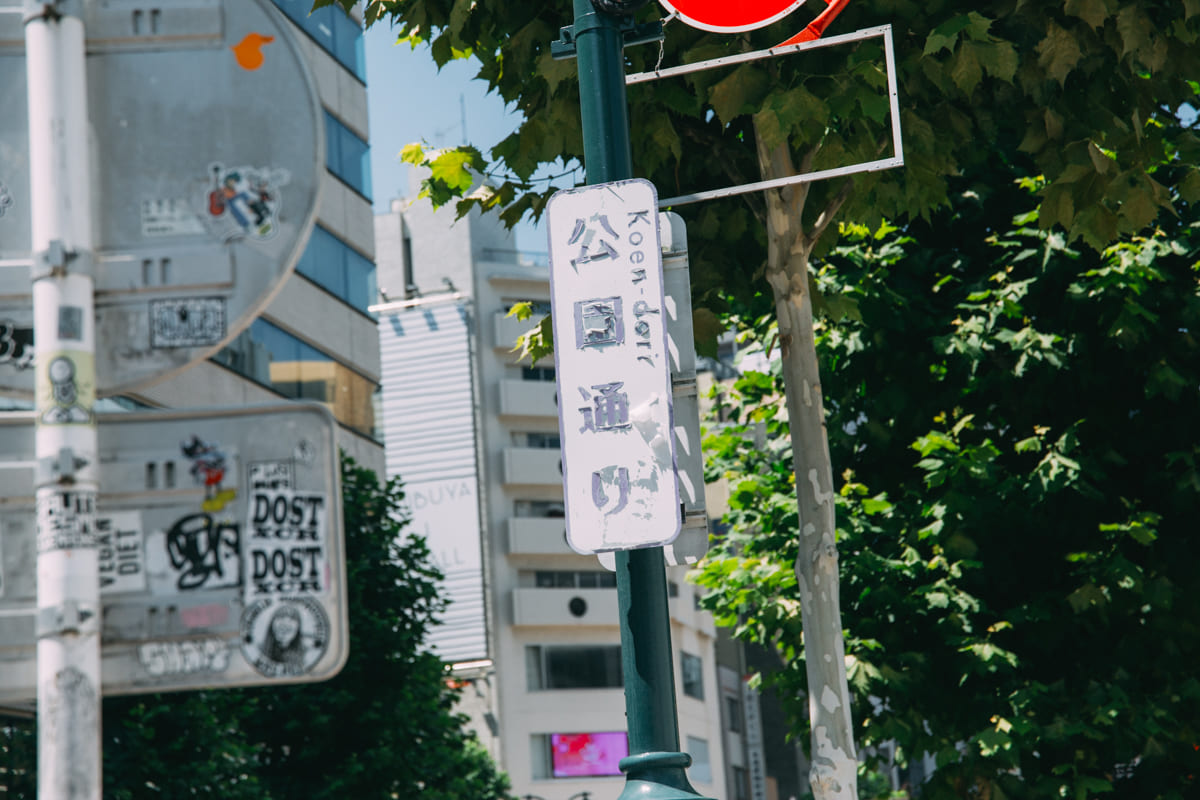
(68, 594)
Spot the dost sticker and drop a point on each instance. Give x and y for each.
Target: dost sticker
(284, 637)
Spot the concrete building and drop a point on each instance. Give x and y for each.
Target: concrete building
(315, 340)
(541, 649)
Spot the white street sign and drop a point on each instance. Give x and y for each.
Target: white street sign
(220, 547)
(613, 367)
(209, 142)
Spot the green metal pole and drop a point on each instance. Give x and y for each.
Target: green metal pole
(598, 55)
(655, 768)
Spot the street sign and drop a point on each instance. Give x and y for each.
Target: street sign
(613, 367)
(220, 546)
(723, 16)
(210, 138)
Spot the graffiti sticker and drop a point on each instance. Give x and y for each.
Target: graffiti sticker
(6, 199)
(284, 636)
(271, 474)
(170, 217)
(65, 520)
(187, 322)
(67, 388)
(286, 542)
(243, 202)
(194, 657)
(209, 468)
(122, 555)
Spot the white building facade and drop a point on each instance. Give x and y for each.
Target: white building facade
(542, 652)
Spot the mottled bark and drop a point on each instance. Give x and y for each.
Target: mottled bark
(834, 762)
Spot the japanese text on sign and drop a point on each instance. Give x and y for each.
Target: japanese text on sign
(612, 367)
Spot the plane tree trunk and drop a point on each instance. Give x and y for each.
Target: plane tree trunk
(834, 762)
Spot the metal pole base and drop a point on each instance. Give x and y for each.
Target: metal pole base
(657, 776)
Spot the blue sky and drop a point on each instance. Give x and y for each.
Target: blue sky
(409, 100)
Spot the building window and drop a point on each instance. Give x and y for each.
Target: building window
(338, 268)
(347, 156)
(563, 579)
(271, 356)
(537, 374)
(733, 714)
(410, 285)
(701, 769)
(573, 667)
(333, 29)
(547, 509)
(741, 784)
(693, 675)
(537, 439)
(672, 589)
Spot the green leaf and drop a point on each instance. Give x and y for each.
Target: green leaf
(1058, 53)
(1087, 596)
(413, 153)
(742, 90)
(1057, 207)
(1189, 187)
(945, 36)
(997, 59)
(1136, 29)
(966, 70)
(1093, 12)
(453, 168)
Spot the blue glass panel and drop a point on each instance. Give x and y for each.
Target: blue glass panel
(360, 281)
(338, 268)
(330, 27)
(348, 39)
(347, 156)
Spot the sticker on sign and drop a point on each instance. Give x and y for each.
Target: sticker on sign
(612, 367)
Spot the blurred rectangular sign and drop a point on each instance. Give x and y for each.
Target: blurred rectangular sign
(613, 367)
(221, 550)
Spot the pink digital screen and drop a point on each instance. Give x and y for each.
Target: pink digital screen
(580, 754)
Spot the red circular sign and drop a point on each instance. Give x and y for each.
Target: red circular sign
(731, 16)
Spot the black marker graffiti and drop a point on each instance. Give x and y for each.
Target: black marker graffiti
(16, 345)
(207, 552)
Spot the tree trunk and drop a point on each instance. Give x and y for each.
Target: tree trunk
(834, 773)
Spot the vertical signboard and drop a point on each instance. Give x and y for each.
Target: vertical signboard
(613, 367)
(754, 743)
(428, 414)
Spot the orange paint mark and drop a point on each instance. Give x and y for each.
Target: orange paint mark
(248, 51)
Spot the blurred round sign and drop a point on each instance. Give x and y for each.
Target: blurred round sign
(731, 16)
(207, 151)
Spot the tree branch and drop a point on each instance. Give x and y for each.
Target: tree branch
(829, 212)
